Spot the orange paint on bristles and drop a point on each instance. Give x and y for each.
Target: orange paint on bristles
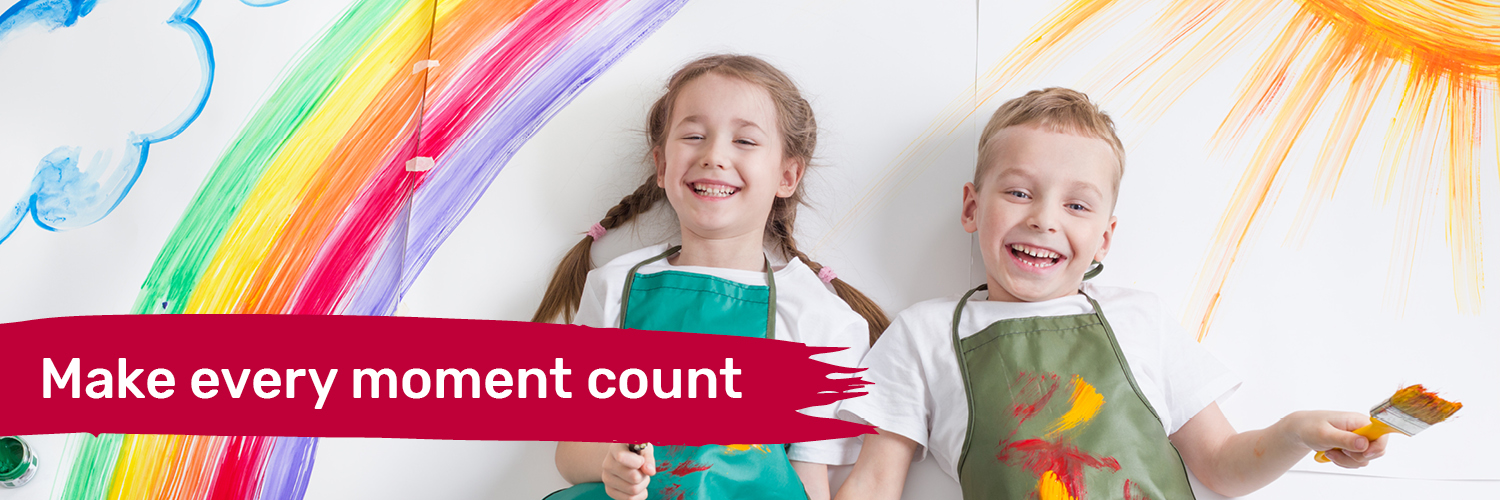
(1424, 405)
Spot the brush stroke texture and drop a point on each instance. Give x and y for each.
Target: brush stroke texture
(1439, 58)
(73, 186)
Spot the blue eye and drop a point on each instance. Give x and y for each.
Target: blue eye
(1077, 206)
(1018, 194)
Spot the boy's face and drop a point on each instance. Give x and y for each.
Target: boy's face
(1043, 211)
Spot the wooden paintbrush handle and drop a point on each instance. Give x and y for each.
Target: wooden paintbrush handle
(1371, 432)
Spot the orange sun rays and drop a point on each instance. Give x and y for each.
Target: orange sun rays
(1447, 50)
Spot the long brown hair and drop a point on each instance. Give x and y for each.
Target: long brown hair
(799, 133)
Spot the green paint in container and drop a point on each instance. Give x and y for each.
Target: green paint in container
(17, 463)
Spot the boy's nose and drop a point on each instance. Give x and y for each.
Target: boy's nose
(1042, 221)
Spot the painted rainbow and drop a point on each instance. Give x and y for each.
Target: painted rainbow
(325, 204)
(340, 187)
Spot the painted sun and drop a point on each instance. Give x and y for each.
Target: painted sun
(1439, 60)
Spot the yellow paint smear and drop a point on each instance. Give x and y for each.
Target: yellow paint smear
(1441, 58)
(1050, 488)
(143, 462)
(1086, 403)
(746, 447)
(462, 27)
(282, 187)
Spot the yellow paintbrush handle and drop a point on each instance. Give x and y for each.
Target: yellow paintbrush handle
(1371, 432)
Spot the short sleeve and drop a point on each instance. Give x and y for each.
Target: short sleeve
(841, 451)
(1192, 376)
(852, 333)
(824, 320)
(591, 305)
(897, 398)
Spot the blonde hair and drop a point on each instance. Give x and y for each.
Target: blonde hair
(799, 134)
(1056, 110)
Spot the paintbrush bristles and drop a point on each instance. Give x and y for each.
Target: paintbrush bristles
(1424, 405)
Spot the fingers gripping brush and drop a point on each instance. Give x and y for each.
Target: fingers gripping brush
(1409, 411)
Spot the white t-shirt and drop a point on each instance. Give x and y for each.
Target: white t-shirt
(918, 391)
(807, 311)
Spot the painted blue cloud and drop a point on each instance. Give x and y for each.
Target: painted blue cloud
(108, 82)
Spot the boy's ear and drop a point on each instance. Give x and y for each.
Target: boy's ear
(971, 207)
(792, 170)
(1109, 235)
(661, 168)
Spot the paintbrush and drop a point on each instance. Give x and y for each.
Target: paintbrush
(1409, 411)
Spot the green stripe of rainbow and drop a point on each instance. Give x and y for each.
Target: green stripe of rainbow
(303, 210)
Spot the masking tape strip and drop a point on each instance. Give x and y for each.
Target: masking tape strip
(420, 164)
(423, 64)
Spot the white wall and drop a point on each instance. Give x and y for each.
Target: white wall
(1304, 326)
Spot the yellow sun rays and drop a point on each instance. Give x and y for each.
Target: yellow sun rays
(1441, 58)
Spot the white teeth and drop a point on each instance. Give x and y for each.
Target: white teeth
(1034, 252)
(717, 191)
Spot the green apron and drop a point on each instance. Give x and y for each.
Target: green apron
(696, 303)
(1055, 414)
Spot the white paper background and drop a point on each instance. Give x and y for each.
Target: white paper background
(1305, 327)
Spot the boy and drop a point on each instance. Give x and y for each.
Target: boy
(1038, 385)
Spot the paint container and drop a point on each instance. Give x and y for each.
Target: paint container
(17, 463)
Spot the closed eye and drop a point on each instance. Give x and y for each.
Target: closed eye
(746, 142)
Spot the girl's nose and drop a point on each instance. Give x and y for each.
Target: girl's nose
(715, 156)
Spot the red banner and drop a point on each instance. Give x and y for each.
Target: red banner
(350, 376)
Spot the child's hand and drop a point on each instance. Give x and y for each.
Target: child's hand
(627, 474)
(1332, 431)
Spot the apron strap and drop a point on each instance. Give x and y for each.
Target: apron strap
(630, 280)
(958, 349)
(771, 307)
(1094, 270)
(1120, 354)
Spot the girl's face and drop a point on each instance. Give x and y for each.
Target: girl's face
(722, 164)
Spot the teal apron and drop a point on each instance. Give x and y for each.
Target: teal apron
(696, 303)
(1054, 414)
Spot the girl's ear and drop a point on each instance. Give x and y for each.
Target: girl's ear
(791, 175)
(661, 167)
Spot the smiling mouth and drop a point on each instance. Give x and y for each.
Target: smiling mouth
(1035, 257)
(714, 190)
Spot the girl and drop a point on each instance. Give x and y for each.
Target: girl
(730, 140)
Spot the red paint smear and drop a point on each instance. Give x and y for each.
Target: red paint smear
(777, 379)
(1038, 389)
(346, 254)
(673, 492)
(239, 473)
(1063, 459)
(688, 467)
(349, 250)
(1132, 493)
(483, 83)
